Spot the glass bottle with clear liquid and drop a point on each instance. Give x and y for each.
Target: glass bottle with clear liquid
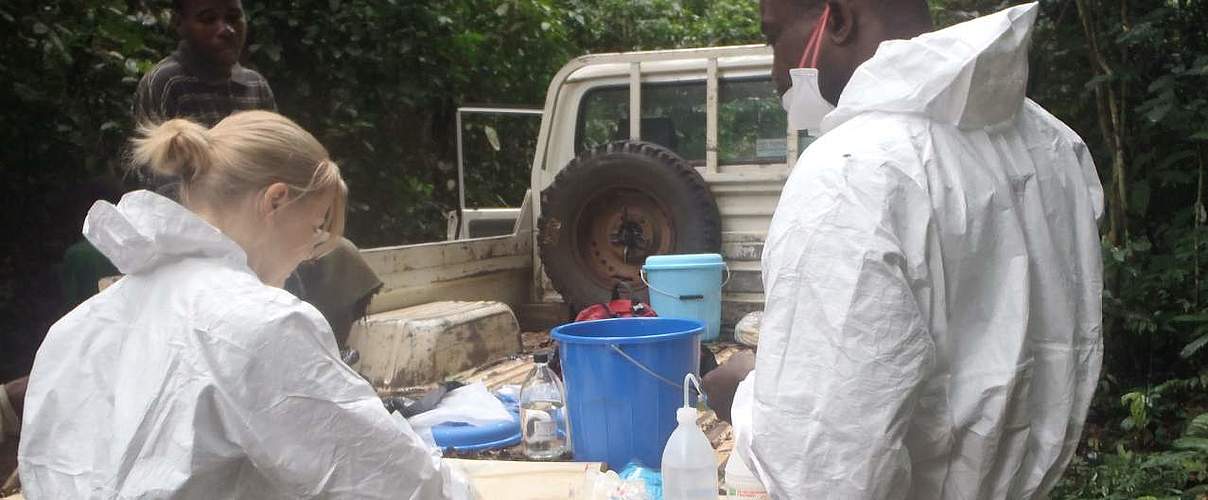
(543, 416)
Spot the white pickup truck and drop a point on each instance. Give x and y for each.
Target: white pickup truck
(642, 153)
(639, 153)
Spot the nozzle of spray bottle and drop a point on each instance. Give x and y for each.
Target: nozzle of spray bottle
(691, 378)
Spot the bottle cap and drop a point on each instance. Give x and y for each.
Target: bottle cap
(541, 357)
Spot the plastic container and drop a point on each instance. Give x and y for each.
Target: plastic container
(740, 483)
(621, 411)
(543, 412)
(687, 286)
(689, 464)
(746, 332)
(468, 438)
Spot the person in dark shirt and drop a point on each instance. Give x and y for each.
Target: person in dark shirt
(83, 266)
(203, 80)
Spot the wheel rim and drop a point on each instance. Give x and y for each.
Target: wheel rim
(616, 230)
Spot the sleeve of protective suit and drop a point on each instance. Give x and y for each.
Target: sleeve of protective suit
(844, 344)
(1087, 163)
(314, 428)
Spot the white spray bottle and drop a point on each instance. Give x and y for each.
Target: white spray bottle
(689, 463)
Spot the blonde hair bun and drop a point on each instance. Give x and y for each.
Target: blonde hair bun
(177, 147)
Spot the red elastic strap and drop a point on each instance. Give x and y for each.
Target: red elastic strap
(815, 40)
(822, 22)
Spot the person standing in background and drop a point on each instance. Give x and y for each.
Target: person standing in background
(203, 80)
(83, 266)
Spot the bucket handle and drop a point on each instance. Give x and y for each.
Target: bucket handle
(652, 373)
(642, 273)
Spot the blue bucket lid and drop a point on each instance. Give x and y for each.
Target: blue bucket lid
(683, 261)
(627, 330)
(472, 438)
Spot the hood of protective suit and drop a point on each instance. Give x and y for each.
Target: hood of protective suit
(933, 281)
(146, 230)
(971, 75)
(189, 378)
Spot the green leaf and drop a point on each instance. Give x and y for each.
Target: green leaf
(1190, 349)
(1191, 444)
(492, 137)
(1168, 459)
(1190, 318)
(1159, 112)
(1198, 427)
(1162, 83)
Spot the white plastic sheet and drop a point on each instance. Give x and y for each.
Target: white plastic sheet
(470, 404)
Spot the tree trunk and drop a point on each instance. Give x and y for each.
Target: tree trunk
(1110, 99)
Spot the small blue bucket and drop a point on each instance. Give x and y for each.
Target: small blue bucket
(624, 381)
(687, 286)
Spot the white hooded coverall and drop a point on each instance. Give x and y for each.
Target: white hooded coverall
(191, 379)
(933, 280)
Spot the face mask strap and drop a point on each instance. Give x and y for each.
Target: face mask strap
(815, 41)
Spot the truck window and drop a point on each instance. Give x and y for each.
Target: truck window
(498, 149)
(603, 117)
(751, 123)
(673, 116)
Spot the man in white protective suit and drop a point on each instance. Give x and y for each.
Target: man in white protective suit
(933, 319)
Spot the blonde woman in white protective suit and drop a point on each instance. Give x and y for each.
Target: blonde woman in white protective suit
(196, 375)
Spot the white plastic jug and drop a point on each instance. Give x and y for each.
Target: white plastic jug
(740, 483)
(689, 464)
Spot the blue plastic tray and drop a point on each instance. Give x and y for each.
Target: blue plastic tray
(467, 438)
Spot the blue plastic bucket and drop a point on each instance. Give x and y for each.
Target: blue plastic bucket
(687, 286)
(624, 381)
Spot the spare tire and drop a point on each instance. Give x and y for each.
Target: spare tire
(612, 207)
